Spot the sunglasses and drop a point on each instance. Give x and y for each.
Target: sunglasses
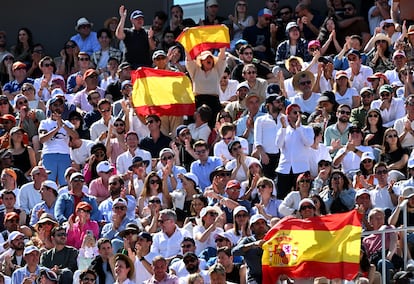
(84, 59)
(241, 215)
(154, 181)
(224, 174)
(365, 96)
(69, 46)
(366, 161)
(219, 240)
(3, 103)
(22, 102)
(78, 179)
(236, 148)
(122, 208)
(105, 110)
(119, 124)
(312, 49)
(306, 207)
(381, 172)
(165, 158)
(47, 65)
(304, 83)
(248, 53)
(200, 152)
(392, 136)
(8, 58)
(61, 235)
(39, 51)
(388, 25)
(155, 201)
(185, 133)
(385, 95)
(260, 186)
(86, 279)
(224, 116)
(149, 122)
(93, 76)
(344, 112)
(113, 183)
(373, 115)
(336, 177)
(227, 138)
(83, 210)
(324, 164)
(187, 246)
(305, 181)
(250, 72)
(27, 89)
(409, 103)
(212, 214)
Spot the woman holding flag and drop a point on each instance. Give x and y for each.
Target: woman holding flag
(205, 72)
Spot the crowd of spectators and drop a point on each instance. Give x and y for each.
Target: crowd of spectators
(305, 114)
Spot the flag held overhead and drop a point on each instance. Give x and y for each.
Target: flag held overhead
(197, 39)
(162, 92)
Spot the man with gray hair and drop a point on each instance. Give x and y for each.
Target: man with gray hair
(167, 242)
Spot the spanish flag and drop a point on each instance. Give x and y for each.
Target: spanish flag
(326, 246)
(197, 39)
(161, 92)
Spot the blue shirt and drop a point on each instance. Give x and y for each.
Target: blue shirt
(42, 205)
(20, 273)
(65, 206)
(15, 86)
(89, 44)
(203, 171)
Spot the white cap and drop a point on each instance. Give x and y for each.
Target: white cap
(104, 167)
(367, 155)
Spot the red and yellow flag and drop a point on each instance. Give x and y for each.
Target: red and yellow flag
(162, 92)
(197, 39)
(326, 246)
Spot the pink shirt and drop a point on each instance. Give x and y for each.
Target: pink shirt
(76, 234)
(98, 189)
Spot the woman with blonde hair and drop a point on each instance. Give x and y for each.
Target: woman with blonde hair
(239, 22)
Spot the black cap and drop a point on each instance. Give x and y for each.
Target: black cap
(327, 96)
(124, 65)
(232, 143)
(273, 89)
(145, 235)
(354, 128)
(354, 51)
(190, 254)
(138, 159)
(217, 170)
(325, 59)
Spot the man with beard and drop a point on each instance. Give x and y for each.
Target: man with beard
(115, 186)
(115, 146)
(15, 260)
(390, 108)
(61, 259)
(93, 115)
(235, 273)
(237, 107)
(336, 135)
(305, 97)
(265, 130)
(191, 263)
(54, 134)
(29, 272)
(358, 114)
(251, 248)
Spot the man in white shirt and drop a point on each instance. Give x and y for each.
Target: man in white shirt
(405, 125)
(30, 192)
(383, 196)
(167, 242)
(357, 73)
(80, 150)
(99, 129)
(265, 130)
(228, 134)
(125, 159)
(306, 99)
(200, 129)
(391, 108)
(399, 59)
(349, 157)
(293, 140)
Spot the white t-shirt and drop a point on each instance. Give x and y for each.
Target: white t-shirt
(59, 143)
(308, 105)
(346, 99)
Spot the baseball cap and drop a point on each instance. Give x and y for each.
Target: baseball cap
(211, 3)
(145, 235)
(165, 151)
(340, 74)
(265, 13)
(125, 83)
(314, 42)
(360, 192)
(192, 177)
(104, 167)
(76, 175)
(84, 206)
(207, 209)
(408, 192)
(291, 25)
(50, 184)
(239, 209)
(30, 249)
(273, 89)
(367, 155)
(138, 159)
(16, 129)
(306, 200)
(399, 53)
(243, 85)
(89, 73)
(256, 218)
(121, 201)
(158, 53)
(18, 64)
(11, 215)
(8, 117)
(13, 235)
(233, 184)
(136, 14)
(377, 75)
(386, 88)
(354, 51)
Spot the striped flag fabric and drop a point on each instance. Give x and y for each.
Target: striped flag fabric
(197, 39)
(326, 246)
(161, 92)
